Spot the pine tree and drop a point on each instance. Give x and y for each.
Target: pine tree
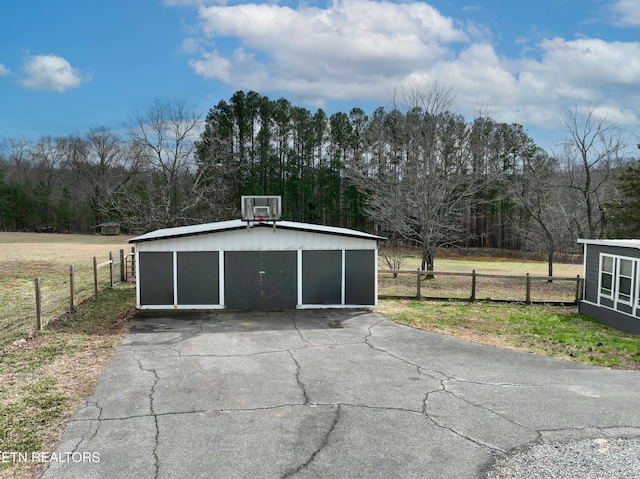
(624, 215)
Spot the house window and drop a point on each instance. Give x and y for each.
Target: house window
(625, 281)
(606, 276)
(620, 283)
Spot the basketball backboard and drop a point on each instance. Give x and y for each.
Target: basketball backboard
(261, 208)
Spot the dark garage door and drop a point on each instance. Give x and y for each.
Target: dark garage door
(321, 277)
(198, 274)
(156, 278)
(260, 279)
(360, 277)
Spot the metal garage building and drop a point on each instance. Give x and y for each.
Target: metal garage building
(258, 265)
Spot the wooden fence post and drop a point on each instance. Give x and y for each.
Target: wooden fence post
(95, 275)
(578, 289)
(110, 269)
(38, 305)
(418, 292)
(473, 286)
(71, 288)
(122, 271)
(133, 262)
(528, 295)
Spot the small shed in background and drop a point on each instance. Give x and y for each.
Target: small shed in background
(108, 228)
(256, 265)
(612, 283)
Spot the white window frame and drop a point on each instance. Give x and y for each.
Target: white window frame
(614, 295)
(628, 298)
(636, 294)
(611, 295)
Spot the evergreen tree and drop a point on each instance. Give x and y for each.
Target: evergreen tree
(624, 215)
(64, 211)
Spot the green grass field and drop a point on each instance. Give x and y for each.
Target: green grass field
(25, 256)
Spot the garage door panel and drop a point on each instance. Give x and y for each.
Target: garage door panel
(260, 279)
(280, 279)
(360, 277)
(198, 277)
(321, 277)
(241, 283)
(156, 278)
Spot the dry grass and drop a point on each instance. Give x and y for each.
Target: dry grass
(45, 377)
(503, 289)
(25, 256)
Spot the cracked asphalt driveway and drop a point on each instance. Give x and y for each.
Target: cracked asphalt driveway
(331, 394)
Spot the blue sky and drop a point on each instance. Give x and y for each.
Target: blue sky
(67, 66)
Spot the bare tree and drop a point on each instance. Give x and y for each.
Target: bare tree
(18, 153)
(109, 167)
(591, 152)
(416, 172)
(171, 189)
(434, 98)
(535, 188)
(166, 133)
(394, 254)
(48, 154)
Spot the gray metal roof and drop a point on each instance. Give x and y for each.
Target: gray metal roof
(220, 226)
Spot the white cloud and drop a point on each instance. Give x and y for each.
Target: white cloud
(592, 62)
(363, 49)
(570, 72)
(4, 70)
(626, 13)
(349, 42)
(50, 72)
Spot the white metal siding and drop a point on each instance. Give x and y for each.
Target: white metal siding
(257, 239)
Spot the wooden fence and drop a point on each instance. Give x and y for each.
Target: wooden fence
(443, 285)
(120, 268)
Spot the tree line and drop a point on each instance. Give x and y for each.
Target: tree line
(415, 171)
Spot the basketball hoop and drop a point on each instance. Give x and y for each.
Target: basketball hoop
(261, 209)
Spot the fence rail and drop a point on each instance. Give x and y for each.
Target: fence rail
(473, 286)
(53, 298)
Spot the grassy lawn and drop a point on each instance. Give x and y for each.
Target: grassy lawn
(489, 265)
(46, 376)
(25, 256)
(554, 331)
(503, 289)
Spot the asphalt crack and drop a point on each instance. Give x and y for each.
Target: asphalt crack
(295, 325)
(299, 381)
(152, 392)
(98, 421)
(443, 379)
(325, 442)
(482, 406)
(435, 374)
